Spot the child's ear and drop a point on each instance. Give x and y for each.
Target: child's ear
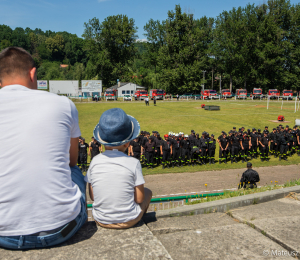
(126, 145)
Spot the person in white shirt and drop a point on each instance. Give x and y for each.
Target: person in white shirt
(42, 191)
(116, 182)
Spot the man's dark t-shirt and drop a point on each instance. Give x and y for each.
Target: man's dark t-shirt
(249, 177)
(83, 148)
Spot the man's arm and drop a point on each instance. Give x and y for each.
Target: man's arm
(139, 194)
(74, 151)
(90, 149)
(91, 192)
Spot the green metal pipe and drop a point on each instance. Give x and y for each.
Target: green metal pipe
(187, 197)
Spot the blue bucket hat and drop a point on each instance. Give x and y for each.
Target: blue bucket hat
(115, 128)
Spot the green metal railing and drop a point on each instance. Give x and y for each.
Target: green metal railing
(186, 198)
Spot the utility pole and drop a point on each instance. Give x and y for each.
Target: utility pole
(203, 79)
(220, 84)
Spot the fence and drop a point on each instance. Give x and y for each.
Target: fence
(184, 98)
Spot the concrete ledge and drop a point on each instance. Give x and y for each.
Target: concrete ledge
(225, 205)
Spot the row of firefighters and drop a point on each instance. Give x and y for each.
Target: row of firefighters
(181, 149)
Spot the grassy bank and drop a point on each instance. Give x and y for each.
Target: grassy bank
(242, 192)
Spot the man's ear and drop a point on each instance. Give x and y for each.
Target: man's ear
(32, 74)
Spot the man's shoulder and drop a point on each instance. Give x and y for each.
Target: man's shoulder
(119, 158)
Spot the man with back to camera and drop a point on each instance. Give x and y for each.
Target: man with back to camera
(94, 148)
(42, 191)
(249, 178)
(83, 154)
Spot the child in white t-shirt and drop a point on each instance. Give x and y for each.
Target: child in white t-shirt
(116, 183)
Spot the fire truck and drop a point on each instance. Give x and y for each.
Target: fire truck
(257, 93)
(226, 93)
(140, 94)
(287, 94)
(157, 93)
(241, 94)
(111, 93)
(209, 94)
(273, 93)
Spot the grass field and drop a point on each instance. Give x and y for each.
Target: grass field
(183, 116)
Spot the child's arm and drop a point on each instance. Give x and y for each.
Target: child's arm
(91, 192)
(139, 194)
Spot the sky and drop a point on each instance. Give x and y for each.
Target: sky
(70, 16)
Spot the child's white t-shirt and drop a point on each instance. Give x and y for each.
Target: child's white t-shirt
(113, 176)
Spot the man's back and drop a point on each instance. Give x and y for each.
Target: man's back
(251, 176)
(36, 192)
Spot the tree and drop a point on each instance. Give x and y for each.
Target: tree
(182, 58)
(56, 46)
(156, 34)
(110, 46)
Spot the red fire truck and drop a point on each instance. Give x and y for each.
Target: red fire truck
(226, 93)
(140, 94)
(111, 93)
(257, 93)
(209, 94)
(241, 94)
(157, 93)
(273, 93)
(288, 94)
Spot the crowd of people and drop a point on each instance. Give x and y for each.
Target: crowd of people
(178, 149)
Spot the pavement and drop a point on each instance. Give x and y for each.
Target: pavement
(170, 184)
(262, 230)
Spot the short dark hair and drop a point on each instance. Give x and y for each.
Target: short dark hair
(15, 61)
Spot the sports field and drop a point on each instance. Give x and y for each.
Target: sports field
(183, 116)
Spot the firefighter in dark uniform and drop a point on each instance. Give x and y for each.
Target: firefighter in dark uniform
(165, 150)
(244, 143)
(79, 142)
(203, 144)
(195, 150)
(149, 152)
(158, 141)
(267, 130)
(135, 149)
(154, 101)
(95, 148)
(229, 136)
(298, 141)
(83, 154)
(141, 137)
(277, 145)
(144, 141)
(192, 137)
(272, 137)
(289, 137)
(264, 142)
(286, 130)
(295, 143)
(185, 150)
(175, 151)
(211, 149)
(283, 145)
(254, 144)
(235, 142)
(259, 136)
(223, 146)
(249, 178)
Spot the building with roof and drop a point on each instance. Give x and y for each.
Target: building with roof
(127, 88)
